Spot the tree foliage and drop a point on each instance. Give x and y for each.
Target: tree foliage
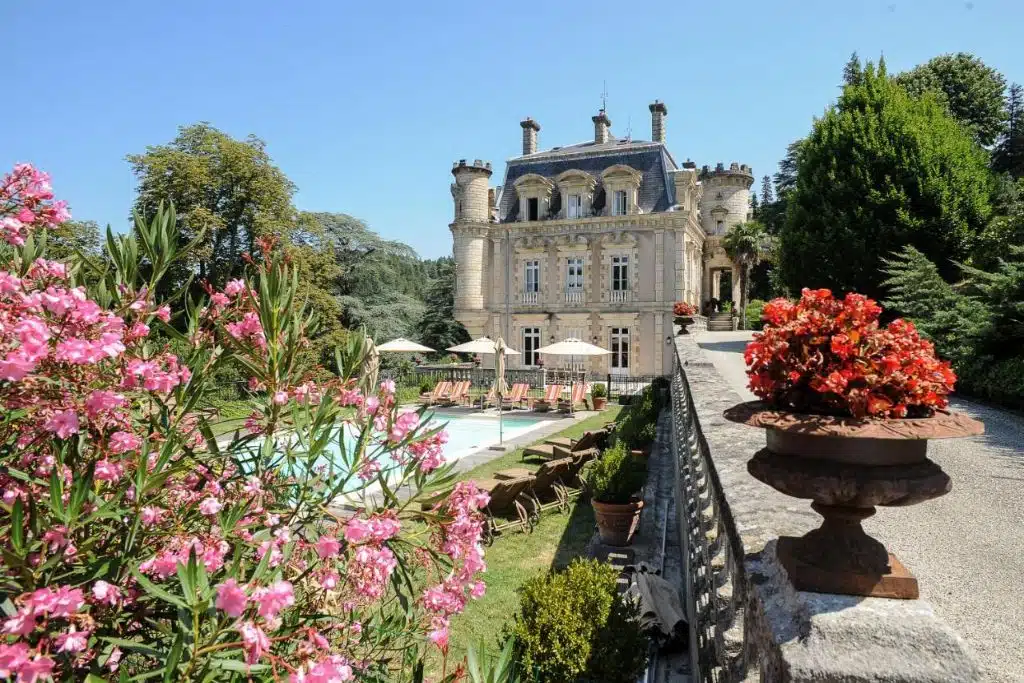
(69, 238)
(227, 190)
(439, 329)
(1008, 155)
(879, 171)
(747, 244)
(970, 90)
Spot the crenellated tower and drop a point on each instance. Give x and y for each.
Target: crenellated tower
(726, 197)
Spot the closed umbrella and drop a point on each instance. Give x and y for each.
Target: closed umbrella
(370, 369)
(500, 385)
(573, 347)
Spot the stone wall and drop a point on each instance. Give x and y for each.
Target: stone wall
(747, 621)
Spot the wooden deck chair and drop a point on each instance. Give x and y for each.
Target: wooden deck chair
(509, 507)
(586, 443)
(489, 399)
(576, 396)
(458, 393)
(517, 395)
(549, 489)
(551, 394)
(440, 390)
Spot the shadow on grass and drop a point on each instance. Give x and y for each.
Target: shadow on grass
(576, 535)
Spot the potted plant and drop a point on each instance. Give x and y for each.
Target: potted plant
(683, 313)
(599, 396)
(614, 482)
(849, 406)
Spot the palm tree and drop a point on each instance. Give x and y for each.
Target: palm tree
(747, 244)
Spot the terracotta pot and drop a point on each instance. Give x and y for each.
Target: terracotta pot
(683, 321)
(848, 466)
(600, 402)
(617, 523)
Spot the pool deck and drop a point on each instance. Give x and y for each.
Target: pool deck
(552, 423)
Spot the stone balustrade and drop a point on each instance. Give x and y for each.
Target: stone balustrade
(747, 623)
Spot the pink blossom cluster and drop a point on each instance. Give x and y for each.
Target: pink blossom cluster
(26, 204)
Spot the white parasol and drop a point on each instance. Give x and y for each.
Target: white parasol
(403, 345)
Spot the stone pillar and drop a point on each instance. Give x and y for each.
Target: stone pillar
(736, 289)
(716, 285)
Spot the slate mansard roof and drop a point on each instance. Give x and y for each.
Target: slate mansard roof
(657, 191)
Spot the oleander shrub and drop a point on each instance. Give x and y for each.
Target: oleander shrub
(136, 546)
(572, 625)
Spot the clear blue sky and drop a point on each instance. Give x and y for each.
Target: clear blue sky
(364, 105)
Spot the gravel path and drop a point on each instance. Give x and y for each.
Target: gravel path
(966, 548)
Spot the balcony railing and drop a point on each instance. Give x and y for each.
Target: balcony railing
(619, 296)
(574, 297)
(529, 298)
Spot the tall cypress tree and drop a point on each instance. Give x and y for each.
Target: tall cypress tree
(766, 190)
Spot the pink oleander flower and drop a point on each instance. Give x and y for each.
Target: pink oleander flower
(231, 598)
(234, 287)
(210, 506)
(280, 398)
(124, 442)
(163, 314)
(254, 641)
(327, 546)
(274, 598)
(72, 641)
(63, 423)
(105, 593)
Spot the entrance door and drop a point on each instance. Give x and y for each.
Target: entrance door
(620, 350)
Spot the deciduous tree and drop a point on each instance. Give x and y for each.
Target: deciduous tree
(971, 90)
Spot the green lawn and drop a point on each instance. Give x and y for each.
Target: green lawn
(516, 557)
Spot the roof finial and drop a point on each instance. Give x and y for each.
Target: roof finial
(604, 95)
(629, 128)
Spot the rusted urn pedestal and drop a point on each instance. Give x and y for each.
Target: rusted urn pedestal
(683, 321)
(848, 466)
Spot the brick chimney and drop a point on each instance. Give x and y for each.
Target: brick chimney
(530, 130)
(658, 113)
(601, 125)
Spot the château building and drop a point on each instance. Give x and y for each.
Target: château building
(594, 240)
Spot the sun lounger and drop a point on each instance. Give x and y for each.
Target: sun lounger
(548, 490)
(441, 389)
(589, 441)
(577, 396)
(518, 395)
(459, 393)
(509, 507)
(551, 394)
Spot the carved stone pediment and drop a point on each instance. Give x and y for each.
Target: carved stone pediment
(532, 242)
(571, 241)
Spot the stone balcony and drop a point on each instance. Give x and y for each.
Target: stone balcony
(573, 297)
(529, 298)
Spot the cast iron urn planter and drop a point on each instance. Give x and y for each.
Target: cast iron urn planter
(847, 466)
(683, 321)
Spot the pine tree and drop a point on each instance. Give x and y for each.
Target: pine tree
(755, 206)
(852, 72)
(1009, 153)
(766, 190)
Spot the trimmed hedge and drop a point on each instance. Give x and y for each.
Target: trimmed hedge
(573, 625)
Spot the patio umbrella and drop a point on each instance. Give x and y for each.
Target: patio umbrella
(402, 345)
(370, 369)
(481, 345)
(573, 347)
(500, 385)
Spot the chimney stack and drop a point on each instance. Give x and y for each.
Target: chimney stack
(530, 130)
(601, 125)
(658, 113)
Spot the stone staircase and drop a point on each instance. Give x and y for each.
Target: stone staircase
(720, 322)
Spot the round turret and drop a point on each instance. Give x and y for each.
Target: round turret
(726, 197)
(469, 233)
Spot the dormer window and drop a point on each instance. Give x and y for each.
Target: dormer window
(622, 184)
(619, 206)
(575, 207)
(532, 209)
(719, 227)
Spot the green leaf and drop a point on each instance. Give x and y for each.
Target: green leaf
(157, 591)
